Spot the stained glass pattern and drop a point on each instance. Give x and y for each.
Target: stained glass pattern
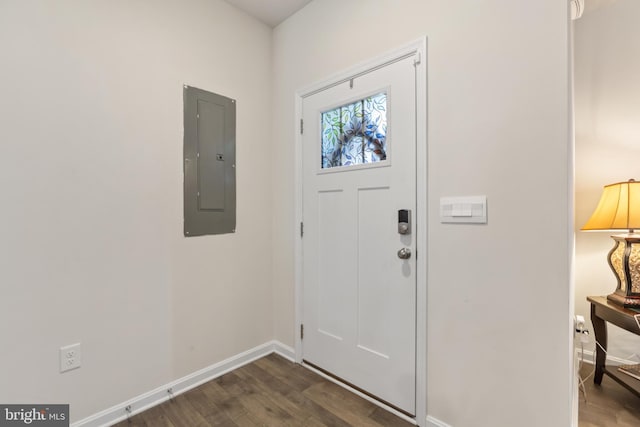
(355, 133)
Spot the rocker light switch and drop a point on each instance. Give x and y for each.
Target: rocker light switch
(456, 210)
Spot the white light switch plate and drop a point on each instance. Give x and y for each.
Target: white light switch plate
(470, 209)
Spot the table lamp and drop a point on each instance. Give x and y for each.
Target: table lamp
(619, 209)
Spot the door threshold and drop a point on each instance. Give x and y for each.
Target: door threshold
(360, 392)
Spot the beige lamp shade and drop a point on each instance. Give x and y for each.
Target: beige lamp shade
(618, 209)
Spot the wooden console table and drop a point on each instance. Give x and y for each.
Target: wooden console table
(603, 311)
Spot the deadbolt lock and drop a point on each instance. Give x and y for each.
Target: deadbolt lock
(404, 221)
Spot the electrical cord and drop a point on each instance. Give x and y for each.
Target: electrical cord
(582, 381)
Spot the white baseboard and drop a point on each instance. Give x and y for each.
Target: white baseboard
(152, 398)
(589, 357)
(434, 422)
(284, 350)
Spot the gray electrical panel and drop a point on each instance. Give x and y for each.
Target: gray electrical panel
(209, 163)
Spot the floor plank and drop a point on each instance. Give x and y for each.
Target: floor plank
(275, 392)
(606, 405)
(335, 400)
(268, 392)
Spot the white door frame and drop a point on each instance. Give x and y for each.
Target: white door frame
(419, 49)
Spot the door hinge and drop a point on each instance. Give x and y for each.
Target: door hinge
(301, 229)
(417, 60)
(301, 126)
(301, 331)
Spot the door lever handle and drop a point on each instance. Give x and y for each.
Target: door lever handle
(404, 253)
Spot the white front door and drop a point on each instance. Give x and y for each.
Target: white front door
(359, 172)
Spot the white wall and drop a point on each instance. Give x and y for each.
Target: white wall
(499, 295)
(91, 188)
(607, 107)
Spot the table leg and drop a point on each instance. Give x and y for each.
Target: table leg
(600, 332)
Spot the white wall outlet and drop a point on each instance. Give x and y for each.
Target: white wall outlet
(70, 357)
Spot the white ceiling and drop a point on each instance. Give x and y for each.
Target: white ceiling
(271, 12)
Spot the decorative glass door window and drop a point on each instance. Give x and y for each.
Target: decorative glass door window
(355, 133)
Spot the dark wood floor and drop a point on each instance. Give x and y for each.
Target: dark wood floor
(275, 392)
(608, 404)
(268, 392)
